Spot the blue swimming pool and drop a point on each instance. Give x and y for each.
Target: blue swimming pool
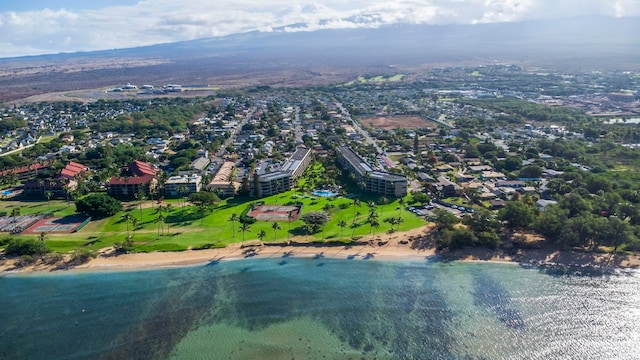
(6, 192)
(324, 193)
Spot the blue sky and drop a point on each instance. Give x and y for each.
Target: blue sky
(32, 27)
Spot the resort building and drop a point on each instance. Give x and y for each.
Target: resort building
(200, 164)
(297, 163)
(58, 188)
(184, 185)
(223, 182)
(72, 171)
(127, 187)
(142, 180)
(370, 180)
(24, 172)
(271, 183)
(267, 184)
(139, 168)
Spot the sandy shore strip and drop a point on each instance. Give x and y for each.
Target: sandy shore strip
(416, 244)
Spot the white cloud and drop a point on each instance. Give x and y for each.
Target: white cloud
(158, 21)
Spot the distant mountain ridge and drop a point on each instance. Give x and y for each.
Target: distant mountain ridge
(408, 43)
(301, 58)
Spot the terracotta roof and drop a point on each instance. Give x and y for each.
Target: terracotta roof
(24, 169)
(134, 180)
(67, 173)
(78, 165)
(140, 168)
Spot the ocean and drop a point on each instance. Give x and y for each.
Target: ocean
(320, 308)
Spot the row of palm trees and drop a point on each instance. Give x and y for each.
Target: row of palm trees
(372, 219)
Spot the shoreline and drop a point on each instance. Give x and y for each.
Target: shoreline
(410, 245)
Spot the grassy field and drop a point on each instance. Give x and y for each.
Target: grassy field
(375, 79)
(185, 227)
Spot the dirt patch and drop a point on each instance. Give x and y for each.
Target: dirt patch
(397, 122)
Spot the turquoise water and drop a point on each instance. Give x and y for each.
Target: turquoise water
(324, 193)
(300, 308)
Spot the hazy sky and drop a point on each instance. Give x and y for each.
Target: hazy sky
(29, 27)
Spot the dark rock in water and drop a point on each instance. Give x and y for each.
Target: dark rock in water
(490, 294)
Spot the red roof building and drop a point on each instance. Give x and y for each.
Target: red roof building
(58, 187)
(139, 168)
(127, 187)
(25, 172)
(72, 170)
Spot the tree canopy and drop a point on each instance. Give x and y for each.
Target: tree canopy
(98, 205)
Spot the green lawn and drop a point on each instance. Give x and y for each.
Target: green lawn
(186, 228)
(58, 207)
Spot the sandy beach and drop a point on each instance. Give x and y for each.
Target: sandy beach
(415, 244)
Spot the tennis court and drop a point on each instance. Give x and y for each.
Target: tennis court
(275, 212)
(63, 225)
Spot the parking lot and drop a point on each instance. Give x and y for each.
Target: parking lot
(427, 209)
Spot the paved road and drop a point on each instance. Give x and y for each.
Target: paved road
(297, 126)
(365, 134)
(235, 131)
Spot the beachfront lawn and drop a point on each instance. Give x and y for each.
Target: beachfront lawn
(29, 207)
(183, 226)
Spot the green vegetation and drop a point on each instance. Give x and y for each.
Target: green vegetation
(191, 228)
(29, 246)
(98, 205)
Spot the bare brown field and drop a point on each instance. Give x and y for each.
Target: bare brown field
(397, 122)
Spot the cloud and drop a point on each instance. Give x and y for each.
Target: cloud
(52, 30)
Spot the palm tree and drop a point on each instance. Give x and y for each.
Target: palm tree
(15, 212)
(355, 224)
(127, 218)
(327, 207)
(48, 195)
(244, 227)
(278, 183)
(160, 220)
(182, 190)
(342, 224)
(42, 236)
(134, 224)
(390, 232)
(275, 226)
(401, 203)
(375, 224)
(289, 217)
(372, 207)
(262, 234)
(384, 200)
(356, 202)
(141, 198)
(233, 218)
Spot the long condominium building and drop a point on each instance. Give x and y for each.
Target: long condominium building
(267, 184)
(375, 181)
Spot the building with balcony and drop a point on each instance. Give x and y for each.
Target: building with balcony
(368, 179)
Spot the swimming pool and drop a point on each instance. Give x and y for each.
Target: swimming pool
(324, 193)
(6, 192)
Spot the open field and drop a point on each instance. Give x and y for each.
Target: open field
(376, 79)
(397, 122)
(185, 227)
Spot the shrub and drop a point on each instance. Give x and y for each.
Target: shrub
(82, 256)
(19, 247)
(24, 260)
(52, 259)
(123, 247)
